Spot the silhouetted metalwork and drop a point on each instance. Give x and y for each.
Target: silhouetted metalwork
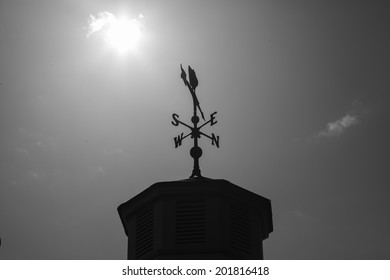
(196, 219)
(196, 151)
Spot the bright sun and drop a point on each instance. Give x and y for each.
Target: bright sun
(122, 34)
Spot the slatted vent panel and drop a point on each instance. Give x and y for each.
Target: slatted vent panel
(190, 221)
(240, 229)
(144, 233)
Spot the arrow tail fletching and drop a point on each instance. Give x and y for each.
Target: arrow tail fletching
(183, 75)
(193, 79)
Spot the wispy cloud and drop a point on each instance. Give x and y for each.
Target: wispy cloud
(339, 126)
(100, 21)
(105, 19)
(36, 174)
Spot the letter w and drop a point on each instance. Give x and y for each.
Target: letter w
(178, 139)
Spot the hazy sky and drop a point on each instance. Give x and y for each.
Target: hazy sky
(302, 94)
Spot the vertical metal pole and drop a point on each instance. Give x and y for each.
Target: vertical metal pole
(195, 151)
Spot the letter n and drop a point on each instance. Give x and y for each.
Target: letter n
(215, 140)
(178, 139)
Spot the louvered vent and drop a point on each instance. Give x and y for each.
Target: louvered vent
(190, 221)
(240, 229)
(144, 233)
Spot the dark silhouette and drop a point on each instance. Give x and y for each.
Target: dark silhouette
(191, 86)
(197, 218)
(193, 79)
(196, 151)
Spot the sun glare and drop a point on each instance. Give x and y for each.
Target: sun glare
(122, 34)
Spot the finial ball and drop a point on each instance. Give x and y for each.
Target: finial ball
(195, 119)
(196, 152)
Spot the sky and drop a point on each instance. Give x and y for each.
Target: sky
(302, 94)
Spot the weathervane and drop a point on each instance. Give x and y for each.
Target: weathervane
(196, 151)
